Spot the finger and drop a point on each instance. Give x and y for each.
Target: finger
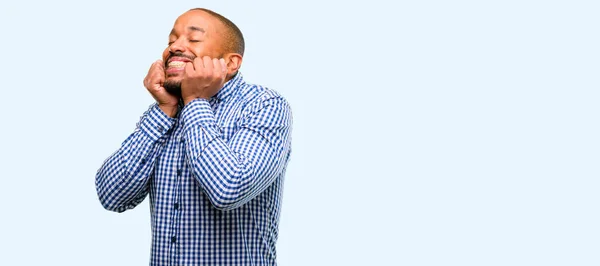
(189, 69)
(160, 65)
(208, 64)
(159, 77)
(156, 65)
(157, 72)
(223, 65)
(219, 71)
(216, 67)
(153, 81)
(151, 69)
(198, 63)
(151, 73)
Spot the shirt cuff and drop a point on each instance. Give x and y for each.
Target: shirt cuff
(199, 113)
(156, 123)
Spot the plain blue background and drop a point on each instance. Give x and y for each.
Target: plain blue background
(425, 132)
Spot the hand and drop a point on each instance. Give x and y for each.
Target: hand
(203, 78)
(154, 84)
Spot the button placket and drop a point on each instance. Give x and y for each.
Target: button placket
(176, 211)
(178, 178)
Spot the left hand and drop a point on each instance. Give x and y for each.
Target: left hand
(203, 78)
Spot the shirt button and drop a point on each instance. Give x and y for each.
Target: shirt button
(182, 139)
(176, 205)
(173, 239)
(179, 172)
(143, 161)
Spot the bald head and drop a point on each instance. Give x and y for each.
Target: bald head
(233, 40)
(201, 33)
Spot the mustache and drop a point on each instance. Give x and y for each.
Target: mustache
(178, 54)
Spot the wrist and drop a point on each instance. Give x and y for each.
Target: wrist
(189, 99)
(169, 110)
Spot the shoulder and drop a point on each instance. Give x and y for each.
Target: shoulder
(257, 96)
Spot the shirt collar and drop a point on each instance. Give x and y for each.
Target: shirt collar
(229, 87)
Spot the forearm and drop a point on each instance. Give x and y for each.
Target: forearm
(122, 181)
(232, 173)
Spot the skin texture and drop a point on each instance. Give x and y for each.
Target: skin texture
(204, 62)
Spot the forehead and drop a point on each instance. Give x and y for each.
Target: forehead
(194, 19)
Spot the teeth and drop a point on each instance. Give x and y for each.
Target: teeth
(177, 64)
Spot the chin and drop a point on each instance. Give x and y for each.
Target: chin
(173, 86)
(176, 75)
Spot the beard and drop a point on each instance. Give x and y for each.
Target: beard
(173, 87)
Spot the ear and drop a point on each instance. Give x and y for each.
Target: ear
(234, 62)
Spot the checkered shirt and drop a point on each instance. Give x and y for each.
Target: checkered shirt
(214, 175)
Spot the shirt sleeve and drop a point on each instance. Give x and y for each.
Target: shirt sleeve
(123, 180)
(234, 172)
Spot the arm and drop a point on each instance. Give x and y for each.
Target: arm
(232, 173)
(123, 180)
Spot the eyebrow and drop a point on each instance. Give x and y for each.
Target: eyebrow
(192, 28)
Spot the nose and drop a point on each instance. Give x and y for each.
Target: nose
(177, 46)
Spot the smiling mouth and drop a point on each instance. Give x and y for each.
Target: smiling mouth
(176, 64)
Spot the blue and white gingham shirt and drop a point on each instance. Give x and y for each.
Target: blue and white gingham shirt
(214, 174)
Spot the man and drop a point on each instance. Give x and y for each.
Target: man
(211, 152)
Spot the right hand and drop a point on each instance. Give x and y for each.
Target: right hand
(154, 84)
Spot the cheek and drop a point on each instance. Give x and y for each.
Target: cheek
(196, 52)
(201, 49)
(165, 54)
